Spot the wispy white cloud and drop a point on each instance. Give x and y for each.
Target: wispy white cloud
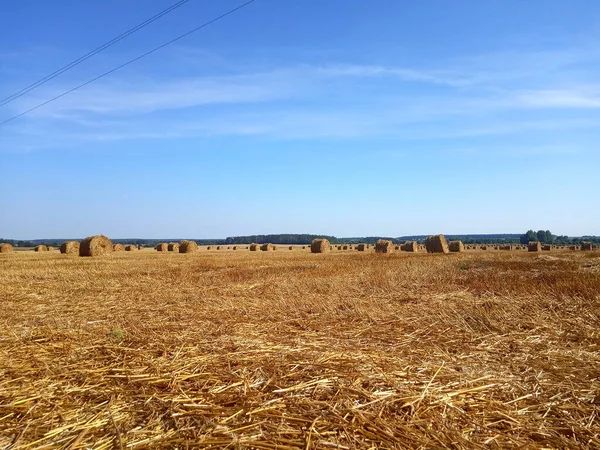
(492, 94)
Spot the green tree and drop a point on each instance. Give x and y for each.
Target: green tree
(530, 236)
(541, 236)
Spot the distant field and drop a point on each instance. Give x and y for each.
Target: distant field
(293, 350)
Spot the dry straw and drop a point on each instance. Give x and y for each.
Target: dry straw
(410, 246)
(546, 248)
(320, 246)
(187, 246)
(130, 248)
(70, 247)
(163, 247)
(456, 246)
(267, 247)
(6, 248)
(173, 247)
(384, 246)
(40, 248)
(254, 247)
(118, 248)
(436, 244)
(95, 246)
(534, 247)
(361, 247)
(586, 246)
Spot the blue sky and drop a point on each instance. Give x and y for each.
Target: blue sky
(341, 117)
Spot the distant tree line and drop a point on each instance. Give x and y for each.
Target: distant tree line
(544, 236)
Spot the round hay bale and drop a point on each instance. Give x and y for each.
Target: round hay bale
(304, 247)
(319, 246)
(187, 246)
(586, 246)
(118, 248)
(344, 247)
(6, 248)
(130, 248)
(218, 247)
(208, 248)
(140, 246)
(534, 247)
(436, 244)
(410, 246)
(228, 248)
(384, 246)
(173, 247)
(506, 247)
(546, 248)
(70, 247)
(95, 246)
(40, 248)
(361, 247)
(254, 247)
(235, 247)
(456, 246)
(290, 247)
(164, 247)
(267, 247)
(50, 248)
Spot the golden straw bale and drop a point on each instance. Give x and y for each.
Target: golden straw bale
(319, 246)
(361, 247)
(186, 246)
(6, 248)
(95, 246)
(163, 247)
(410, 246)
(267, 247)
(534, 247)
(131, 248)
(40, 248)
(586, 246)
(436, 244)
(254, 247)
(456, 246)
(384, 246)
(70, 247)
(118, 248)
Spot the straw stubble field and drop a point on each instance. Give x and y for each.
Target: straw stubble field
(293, 350)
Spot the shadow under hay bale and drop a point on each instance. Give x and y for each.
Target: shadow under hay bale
(186, 246)
(95, 246)
(384, 246)
(436, 244)
(70, 247)
(320, 246)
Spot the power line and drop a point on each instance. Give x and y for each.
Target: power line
(88, 55)
(129, 62)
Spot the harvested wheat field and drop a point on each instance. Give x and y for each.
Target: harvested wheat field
(293, 350)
